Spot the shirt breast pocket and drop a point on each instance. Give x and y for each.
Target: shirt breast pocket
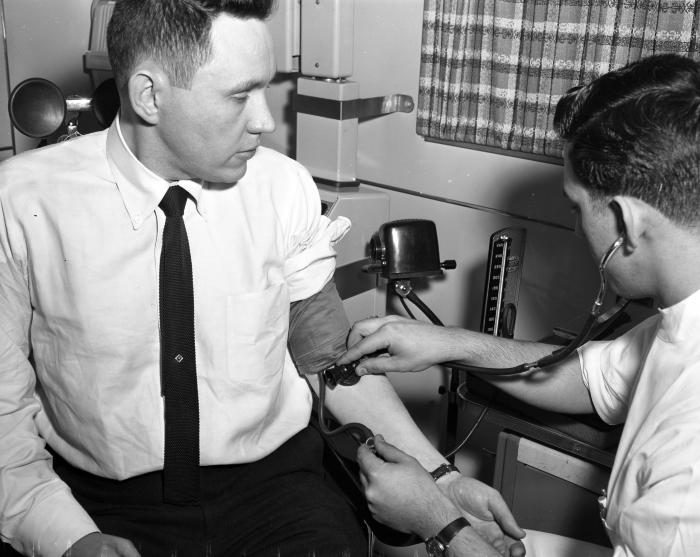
(256, 335)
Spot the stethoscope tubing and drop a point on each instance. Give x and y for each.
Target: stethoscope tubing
(564, 352)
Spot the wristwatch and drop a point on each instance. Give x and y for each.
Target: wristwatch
(443, 470)
(437, 546)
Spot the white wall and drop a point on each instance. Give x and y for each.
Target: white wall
(47, 38)
(387, 55)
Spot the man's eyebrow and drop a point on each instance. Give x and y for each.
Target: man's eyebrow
(248, 85)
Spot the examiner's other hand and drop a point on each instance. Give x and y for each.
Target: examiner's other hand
(102, 545)
(402, 494)
(487, 511)
(403, 344)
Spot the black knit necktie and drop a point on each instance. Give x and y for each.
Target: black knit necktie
(177, 356)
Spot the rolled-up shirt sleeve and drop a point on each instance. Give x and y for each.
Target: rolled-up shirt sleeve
(308, 271)
(609, 369)
(609, 404)
(38, 514)
(311, 238)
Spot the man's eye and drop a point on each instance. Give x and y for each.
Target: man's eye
(240, 97)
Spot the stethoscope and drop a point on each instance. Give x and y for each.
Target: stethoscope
(594, 319)
(345, 374)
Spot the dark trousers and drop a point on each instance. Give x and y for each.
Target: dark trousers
(281, 506)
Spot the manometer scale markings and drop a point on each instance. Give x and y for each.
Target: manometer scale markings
(496, 283)
(504, 270)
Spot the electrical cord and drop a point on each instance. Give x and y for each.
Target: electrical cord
(405, 291)
(424, 308)
(406, 308)
(485, 408)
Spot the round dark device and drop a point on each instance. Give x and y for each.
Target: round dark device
(404, 249)
(37, 107)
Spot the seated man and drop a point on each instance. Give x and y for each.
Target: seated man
(149, 404)
(632, 173)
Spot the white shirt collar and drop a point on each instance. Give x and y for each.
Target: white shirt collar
(141, 188)
(681, 319)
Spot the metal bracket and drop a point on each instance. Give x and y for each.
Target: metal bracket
(403, 287)
(378, 106)
(78, 104)
(354, 108)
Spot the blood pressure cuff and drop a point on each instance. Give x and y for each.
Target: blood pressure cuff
(318, 330)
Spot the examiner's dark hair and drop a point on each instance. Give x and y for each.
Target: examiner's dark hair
(175, 33)
(636, 131)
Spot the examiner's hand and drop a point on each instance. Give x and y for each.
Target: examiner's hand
(487, 511)
(403, 344)
(402, 494)
(102, 545)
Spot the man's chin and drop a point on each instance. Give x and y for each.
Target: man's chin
(228, 175)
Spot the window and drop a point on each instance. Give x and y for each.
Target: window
(492, 72)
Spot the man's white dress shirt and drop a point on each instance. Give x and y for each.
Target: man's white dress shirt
(80, 240)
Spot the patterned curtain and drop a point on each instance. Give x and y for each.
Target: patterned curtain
(492, 71)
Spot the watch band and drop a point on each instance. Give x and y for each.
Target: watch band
(443, 470)
(437, 545)
(445, 535)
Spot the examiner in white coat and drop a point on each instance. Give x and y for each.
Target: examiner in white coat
(632, 173)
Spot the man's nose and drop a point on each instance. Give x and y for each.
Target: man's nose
(261, 120)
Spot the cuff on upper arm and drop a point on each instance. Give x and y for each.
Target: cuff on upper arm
(318, 330)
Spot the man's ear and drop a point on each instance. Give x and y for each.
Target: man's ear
(631, 219)
(146, 88)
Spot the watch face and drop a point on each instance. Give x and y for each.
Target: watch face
(434, 547)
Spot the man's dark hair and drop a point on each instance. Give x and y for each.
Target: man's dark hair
(636, 132)
(174, 33)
